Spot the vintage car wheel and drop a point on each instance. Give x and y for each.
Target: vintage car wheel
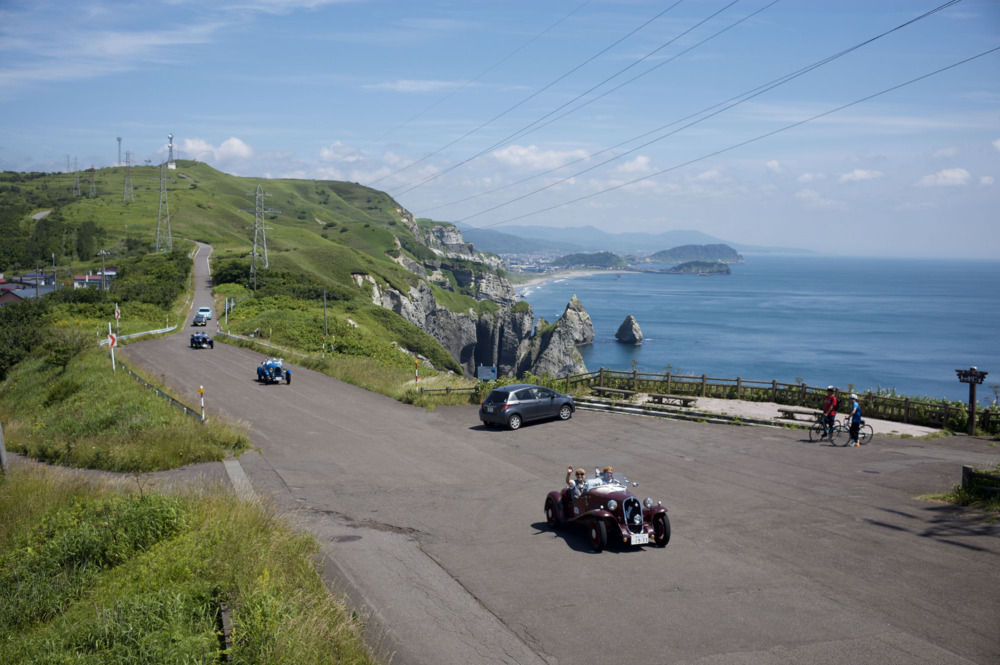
(661, 530)
(565, 413)
(288, 378)
(598, 535)
(552, 514)
(514, 422)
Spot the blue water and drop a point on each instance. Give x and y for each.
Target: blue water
(903, 324)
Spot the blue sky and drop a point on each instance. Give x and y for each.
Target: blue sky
(547, 112)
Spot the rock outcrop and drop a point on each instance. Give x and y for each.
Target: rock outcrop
(629, 332)
(506, 338)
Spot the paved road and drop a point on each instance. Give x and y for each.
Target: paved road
(782, 552)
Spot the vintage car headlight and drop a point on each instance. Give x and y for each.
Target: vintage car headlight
(648, 502)
(612, 505)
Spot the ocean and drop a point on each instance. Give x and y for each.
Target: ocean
(856, 323)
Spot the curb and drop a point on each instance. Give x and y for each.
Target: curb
(676, 413)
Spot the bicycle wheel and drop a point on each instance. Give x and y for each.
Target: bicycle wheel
(816, 432)
(865, 434)
(839, 436)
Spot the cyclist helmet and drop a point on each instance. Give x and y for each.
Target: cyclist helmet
(854, 395)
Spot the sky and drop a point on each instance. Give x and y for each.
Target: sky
(866, 127)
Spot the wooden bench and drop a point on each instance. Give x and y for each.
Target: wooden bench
(790, 412)
(613, 392)
(680, 400)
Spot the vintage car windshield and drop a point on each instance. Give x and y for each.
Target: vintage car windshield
(617, 482)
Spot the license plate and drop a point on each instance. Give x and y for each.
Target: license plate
(640, 539)
(489, 409)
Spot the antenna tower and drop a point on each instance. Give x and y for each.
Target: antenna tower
(128, 194)
(258, 258)
(93, 185)
(163, 239)
(170, 154)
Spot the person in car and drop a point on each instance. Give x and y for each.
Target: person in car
(607, 473)
(575, 486)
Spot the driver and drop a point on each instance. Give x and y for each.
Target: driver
(607, 474)
(576, 486)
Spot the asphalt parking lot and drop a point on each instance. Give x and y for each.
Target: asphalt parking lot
(783, 551)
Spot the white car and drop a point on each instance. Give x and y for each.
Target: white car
(206, 312)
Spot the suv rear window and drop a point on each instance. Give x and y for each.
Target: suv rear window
(497, 397)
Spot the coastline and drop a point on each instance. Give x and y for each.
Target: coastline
(549, 277)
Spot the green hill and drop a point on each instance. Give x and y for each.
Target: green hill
(318, 233)
(684, 253)
(595, 260)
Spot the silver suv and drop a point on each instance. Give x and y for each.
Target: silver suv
(517, 404)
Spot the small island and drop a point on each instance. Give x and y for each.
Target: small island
(700, 268)
(714, 253)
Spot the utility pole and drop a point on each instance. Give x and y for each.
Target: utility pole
(258, 257)
(164, 241)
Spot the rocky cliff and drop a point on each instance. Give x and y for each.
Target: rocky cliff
(507, 338)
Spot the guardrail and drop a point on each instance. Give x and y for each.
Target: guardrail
(941, 414)
(140, 334)
(180, 405)
(977, 480)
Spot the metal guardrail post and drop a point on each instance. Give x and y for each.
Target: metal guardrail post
(3, 453)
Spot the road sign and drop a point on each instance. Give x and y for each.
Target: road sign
(118, 312)
(112, 340)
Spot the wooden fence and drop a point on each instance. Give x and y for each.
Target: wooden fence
(943, 414)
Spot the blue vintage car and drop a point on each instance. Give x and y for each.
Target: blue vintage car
(272, 370)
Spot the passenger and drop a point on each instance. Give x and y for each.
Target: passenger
(608, 474)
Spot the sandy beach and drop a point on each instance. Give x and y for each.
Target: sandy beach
(551, 277)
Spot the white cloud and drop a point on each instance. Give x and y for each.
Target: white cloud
(774, 166)
(946, 178)
(945, 152)
(203, 151)
(638, 165)
(859, 175)
(414, 86)
(709, 175)
(532, 158)
(813, 199)
(338, 152)
(811, 177)
(996, 144)
(986, 180)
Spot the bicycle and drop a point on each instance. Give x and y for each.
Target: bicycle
(865, 433)
(818, 431)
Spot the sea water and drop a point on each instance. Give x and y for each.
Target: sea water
(856, 323)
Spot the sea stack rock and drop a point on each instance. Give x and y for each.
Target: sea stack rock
(578, 323)
(628, 331)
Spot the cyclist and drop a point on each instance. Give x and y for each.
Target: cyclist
(829, 411)
(855, 420)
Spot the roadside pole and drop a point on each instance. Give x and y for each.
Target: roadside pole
(3, 453)
(416, 373)
(118, 316)
(201, 391)
(112, 342)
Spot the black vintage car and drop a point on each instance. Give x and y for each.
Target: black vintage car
(610, 511)
(201, 340)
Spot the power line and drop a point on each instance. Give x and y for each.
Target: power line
(528, 129)
(747, 142)
(532, 95)
(590, 101)
(710, 113)
(474, 79)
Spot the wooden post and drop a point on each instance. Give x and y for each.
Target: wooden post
(601, 379)
(774, 390)
(704, 383)
(906, 410)
(739, 388)
(944, 422)
(635, 379)
(668, 382)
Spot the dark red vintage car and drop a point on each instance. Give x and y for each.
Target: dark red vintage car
(611, 513)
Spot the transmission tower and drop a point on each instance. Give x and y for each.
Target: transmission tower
(93, 185)
(163, 239)
(119, 162)
(76, 183)
(128, 194)
(258, 258)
